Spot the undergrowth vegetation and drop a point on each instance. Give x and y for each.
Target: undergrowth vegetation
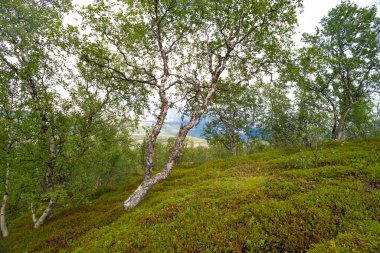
(275, 201)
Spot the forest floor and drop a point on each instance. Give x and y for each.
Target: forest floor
(275, 201)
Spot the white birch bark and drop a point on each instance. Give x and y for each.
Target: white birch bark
(3, 223)
(46, 214)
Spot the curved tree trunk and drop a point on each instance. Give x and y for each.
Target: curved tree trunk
(139, 194)
(46, 214)
(149, 181)
(49, 184)
(48, 130)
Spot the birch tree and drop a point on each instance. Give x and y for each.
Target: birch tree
(340, 62)
(11, 107)
(28, 32)
(182, 51)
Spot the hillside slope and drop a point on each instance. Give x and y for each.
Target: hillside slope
(277, 201)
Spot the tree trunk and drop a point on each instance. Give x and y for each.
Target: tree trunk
(48, 130)
(34, 217)
(234, 149)
(339, 129)
(339, 133)
(139, 194)
(47, 213)
(334, 129)
(340, 125)
(3, 223)
(149, 181)
(149, 152)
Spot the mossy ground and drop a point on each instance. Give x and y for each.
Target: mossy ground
(276, 201)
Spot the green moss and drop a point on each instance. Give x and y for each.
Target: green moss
(267, 202)
(348, 242)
